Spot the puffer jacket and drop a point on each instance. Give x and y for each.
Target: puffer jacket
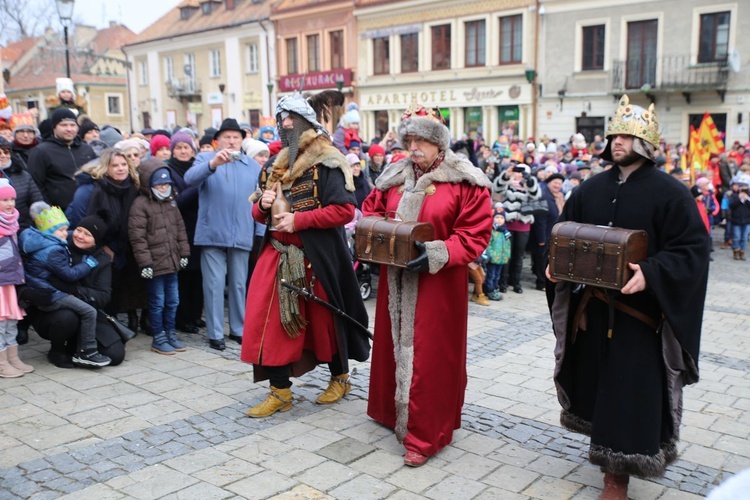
(45, 256)
(156, 229)
(514, 197)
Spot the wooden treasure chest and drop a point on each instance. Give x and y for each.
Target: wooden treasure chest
(595, 255)
(381, 240)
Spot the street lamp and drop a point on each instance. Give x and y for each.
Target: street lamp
(269, 86)
(531, 74)
(340, 82)
(65, 11)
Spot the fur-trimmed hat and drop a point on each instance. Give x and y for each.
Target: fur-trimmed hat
(425, 123)
(65, 84)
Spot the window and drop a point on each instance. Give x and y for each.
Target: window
(252, 57)
(291, 56)
(593, 48)
(313, 52)
(511, 36)
(641, 63)
(441, 47)
(410, 53)
(114, 104)
(215, 63)
(381, 54)
(206, 6)
(475, 43)
(337, 49)
(714, 37)
(143, 73)
(168, 69)
(189, 70)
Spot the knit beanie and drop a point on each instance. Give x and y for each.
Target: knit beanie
(6, 190)
(45, 128)
(158, 142)
(160, 176)
(252, 147)
(181, 137)
(94, 225)
(352, 159)
(61, 114)
(86, 127)
(110, 136)
(47, 219)
(352, 113)
(206, 139)
(376, 149)
(498, 210)
(65, 84)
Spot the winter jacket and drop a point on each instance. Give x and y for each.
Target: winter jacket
(739, 211)
(514, 197)
(27, 192)
(52, 164)
(45, 256)
(94, 288)
(156, 229)
(187, 202)
(11, 264)
(224, 211)
(498, 250)
(23, 151)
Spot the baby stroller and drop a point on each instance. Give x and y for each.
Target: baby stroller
(361, 269)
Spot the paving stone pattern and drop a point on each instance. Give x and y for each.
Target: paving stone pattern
(174, 427)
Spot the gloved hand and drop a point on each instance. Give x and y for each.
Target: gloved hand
(147, 273)
(91, 261)
(183, 262)
(421, 263)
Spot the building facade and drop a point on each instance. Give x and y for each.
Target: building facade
(470, 58)
(203, 62)
(682, 55)
(98, 69)
(317, 46)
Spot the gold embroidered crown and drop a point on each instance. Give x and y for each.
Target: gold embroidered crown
(633, 120)
(418, 111)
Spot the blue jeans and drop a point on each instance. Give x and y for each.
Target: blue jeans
(739, 236)
(224, 266)
(163, 298)
(494, 271)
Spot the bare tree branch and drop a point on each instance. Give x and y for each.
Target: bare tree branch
(23, 18)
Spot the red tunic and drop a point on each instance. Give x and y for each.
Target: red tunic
(265, 342)
(461, 215)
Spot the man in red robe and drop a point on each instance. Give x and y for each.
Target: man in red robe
(285, 335)
(418, 375)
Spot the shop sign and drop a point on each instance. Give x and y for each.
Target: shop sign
(195, 108)
(470, 95)
(316, 80)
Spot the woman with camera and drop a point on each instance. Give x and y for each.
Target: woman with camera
(517, 186)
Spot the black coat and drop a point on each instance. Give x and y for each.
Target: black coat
(27, 192)
(52, 164)
(187, 202)
(542, 227)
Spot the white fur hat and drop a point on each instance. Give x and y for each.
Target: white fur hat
(65, 84)
(253, 147)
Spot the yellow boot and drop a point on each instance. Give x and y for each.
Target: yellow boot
(338, 387)
(277, 400)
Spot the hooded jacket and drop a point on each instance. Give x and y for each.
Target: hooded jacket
(27, 192)
(155, 227)
(53, 163)
(46, 255)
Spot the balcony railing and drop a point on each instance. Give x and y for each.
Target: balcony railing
(671, 73)
(183, 88)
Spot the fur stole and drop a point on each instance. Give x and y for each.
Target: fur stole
(453, 170)
(314, 149)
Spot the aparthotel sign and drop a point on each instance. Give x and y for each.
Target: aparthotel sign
(470, 95)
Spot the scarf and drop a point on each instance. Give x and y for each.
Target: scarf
(9, 223)
(180, 166)
(418, 172)
(292, 270)
(161, 197)
(112, 202)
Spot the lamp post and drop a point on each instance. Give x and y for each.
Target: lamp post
(65, 11)
(531, 78)
(269, 86)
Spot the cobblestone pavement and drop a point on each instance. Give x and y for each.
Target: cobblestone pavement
(174, 426)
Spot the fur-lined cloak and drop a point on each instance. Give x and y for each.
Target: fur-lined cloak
(418, 375)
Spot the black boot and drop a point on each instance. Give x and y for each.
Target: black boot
(146, 323)
(22, 337)
(133, 320)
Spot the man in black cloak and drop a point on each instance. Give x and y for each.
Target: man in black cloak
(625, 391)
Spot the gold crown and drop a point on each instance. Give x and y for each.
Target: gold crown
(416, 110)
(633, 120)
(51, 219)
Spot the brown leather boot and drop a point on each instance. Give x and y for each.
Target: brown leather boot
(736, 255)
(615, 487)
(742, 255)
(476, 273)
